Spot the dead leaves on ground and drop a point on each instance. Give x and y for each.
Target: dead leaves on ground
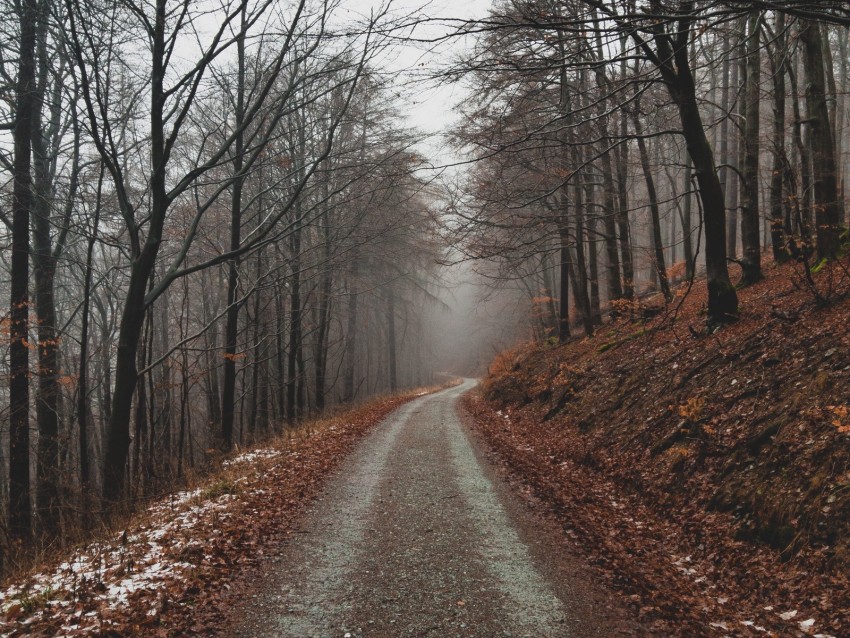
(179, 569)
(707, 476)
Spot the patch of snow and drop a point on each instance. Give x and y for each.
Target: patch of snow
(251, 457)
(806, 625)
(752, 625)
(116, 569)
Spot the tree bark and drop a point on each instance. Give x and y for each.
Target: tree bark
(391, 340)
(655, 214)
(687, 224)
(20, 505)
(722, 298)
(804, 209)
(750, 220)
(564, 300)
(777, 222)
(44, 266)
(626, 252)
(736, 106)
(827, 216)
(351, 331)
(231, 331)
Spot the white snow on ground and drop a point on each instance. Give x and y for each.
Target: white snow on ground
(252, 457)
(114, 570)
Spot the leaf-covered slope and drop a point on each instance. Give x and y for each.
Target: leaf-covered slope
(180, 567)
(734, 446)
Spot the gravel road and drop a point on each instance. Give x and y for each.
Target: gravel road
(419, 535)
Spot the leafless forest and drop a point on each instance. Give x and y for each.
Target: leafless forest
(217, 220)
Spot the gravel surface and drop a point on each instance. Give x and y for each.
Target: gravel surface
(418, 535)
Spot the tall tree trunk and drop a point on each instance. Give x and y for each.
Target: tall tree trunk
(804, 216)
(614, 287)
(728, 180)
(351, 332)
(258, 351)
(687, 224)
(391, 339)
(777, 224)
(281, 350)
(231, 331)
(655, 214)
(324, 300)
(142, 266)
(20, 506)
(750, 220)
(577, 257)
(626, 253)
(564, 300)
(292, 372)
(736, 107)
(44, 262)
(82, 377)
(841, 116)
(823, 148)
(675, 67)
(593, 263)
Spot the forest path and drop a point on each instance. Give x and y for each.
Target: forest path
(417, 535)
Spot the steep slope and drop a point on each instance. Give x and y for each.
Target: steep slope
(708, 474)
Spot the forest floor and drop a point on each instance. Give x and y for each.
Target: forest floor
(705, 475)
(176, 567)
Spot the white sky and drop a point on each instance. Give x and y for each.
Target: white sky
(430, 108)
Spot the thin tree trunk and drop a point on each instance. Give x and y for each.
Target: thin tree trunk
(722, 298)
(391, 340)
(231, 331)
(351, 332)
(82, 378)
(750, 221)
(777, 224)
(626, 252)
(804, 217)
(728, 180)
(655, 214)
(687, 224)
(577, 257)
(292, 373)
(564, 301)
(614, 287)
(736, 107)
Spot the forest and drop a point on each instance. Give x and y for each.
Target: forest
(219, 222)
(212, 227)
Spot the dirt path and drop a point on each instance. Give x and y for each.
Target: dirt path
(418, 536)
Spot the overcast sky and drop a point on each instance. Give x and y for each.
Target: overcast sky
(430, 108)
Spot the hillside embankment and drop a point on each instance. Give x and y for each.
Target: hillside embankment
(706, 474)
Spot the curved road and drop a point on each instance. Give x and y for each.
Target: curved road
(417, 535)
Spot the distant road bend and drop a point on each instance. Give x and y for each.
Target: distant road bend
(417, 535)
